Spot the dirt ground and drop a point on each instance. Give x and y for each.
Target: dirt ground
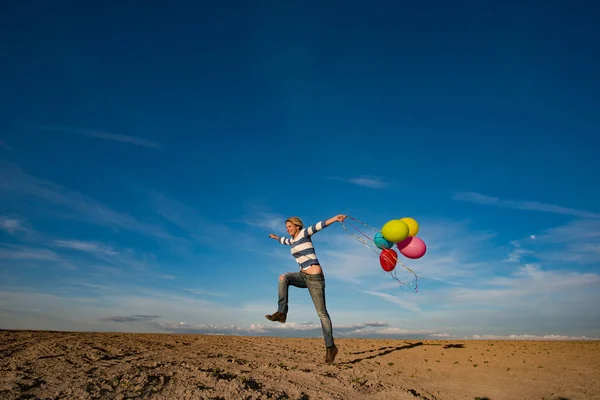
(65, 365)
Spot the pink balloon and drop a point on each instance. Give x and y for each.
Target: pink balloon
(404, 243)
(412, 247)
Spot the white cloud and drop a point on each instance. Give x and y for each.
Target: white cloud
(91, 286)
(22, 255)
(295, 330)
(18, 252)
(523, 205)
(352, 265)
(127, 309)
(272, 222)
(577, 242)
(90, 247)
(14, 225)
(90, 257)
(407, 305)
(517, 253)
(530, 299)
(370, 181)
(203, 292)
(526, 283)
(199, 228)
(480, 292)
(17, 185)
(374, 182)
(130, 308)
(106, 135)
(465, 287)
(530, 337)
(123, 300)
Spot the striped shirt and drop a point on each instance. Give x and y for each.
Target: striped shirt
(302, 247)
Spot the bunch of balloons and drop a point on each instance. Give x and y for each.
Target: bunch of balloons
(403, 233)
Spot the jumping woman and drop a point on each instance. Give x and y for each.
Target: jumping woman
(310, 276)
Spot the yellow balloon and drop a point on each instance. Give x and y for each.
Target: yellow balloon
(413, 226)
(395, 230)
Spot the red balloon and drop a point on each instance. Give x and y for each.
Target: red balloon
(413, 247)
(388, 259)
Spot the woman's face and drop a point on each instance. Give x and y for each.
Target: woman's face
(292, 229)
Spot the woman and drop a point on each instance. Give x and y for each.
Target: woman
(310, 276)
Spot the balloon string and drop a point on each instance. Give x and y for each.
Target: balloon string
(394, 259)
(362, 223)
(362, 233)
(385, 255)
(358, 238)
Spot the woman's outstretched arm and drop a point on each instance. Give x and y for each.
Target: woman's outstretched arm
(311, 230)
(282, 240)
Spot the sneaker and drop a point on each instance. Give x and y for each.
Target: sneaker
(330, 355)
(277, 317)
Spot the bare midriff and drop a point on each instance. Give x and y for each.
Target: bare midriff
(313, 269)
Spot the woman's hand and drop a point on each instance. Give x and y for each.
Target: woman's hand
(340, 217)
(273, 236)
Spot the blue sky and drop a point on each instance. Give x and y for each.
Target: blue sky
(147, 153)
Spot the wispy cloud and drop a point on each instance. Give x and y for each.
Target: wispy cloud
(523, 284)
(350, 263)
(369, 181)
(17, 185)
(576, 242)
(124, 259)
(195, 225)
(272, 222)
(203, 292)
(530, 297)
(346, 331)
(408, 305)
(381, 330)
(14, 225)
(4, 145)
(100, 134)
(364, 330)
(17, 253)
(523, 205)
(125, 303)
(90, 247)
(64, 252)
(70, 253)
(529, 337)
(517, 253)
(92, 286)
(130, 318)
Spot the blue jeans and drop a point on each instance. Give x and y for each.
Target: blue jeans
(316, 287)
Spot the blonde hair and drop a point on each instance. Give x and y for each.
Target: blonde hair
(296, 221)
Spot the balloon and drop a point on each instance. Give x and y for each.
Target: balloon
(404, 243)
(395, 230)
(382, 242)
(388, 259)
(413, 226)
(412, 247)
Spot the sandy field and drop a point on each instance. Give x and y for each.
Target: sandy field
(66, 365)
